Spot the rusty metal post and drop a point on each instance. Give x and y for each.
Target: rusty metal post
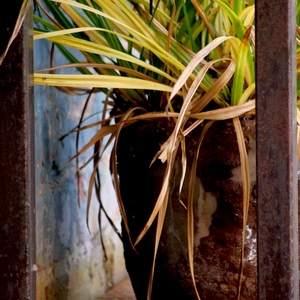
(278, 275)
(17, 189)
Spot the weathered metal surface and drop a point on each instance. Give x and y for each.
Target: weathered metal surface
(17, 220)
(276, 150)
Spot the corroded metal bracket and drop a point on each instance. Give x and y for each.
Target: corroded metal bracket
(278, 275)
(17, 189)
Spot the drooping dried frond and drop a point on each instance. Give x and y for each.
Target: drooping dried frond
(182, 60)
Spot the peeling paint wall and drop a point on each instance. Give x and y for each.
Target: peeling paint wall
(70, 260)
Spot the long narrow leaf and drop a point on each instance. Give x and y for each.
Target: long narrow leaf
(246, 191)
(190, 207)
(239, 75)
(91, 47)
(238, 26)
(100, 81)
(22, 14)
(195, 62)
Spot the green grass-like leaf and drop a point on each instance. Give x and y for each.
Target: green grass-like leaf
(239, 75)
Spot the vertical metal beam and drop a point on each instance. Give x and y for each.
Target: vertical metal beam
(278, 276)
(17, 190)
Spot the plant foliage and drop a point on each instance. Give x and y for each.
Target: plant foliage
(186, 60)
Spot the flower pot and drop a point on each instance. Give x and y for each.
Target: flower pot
(218, 213)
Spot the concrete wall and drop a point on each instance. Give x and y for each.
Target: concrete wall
(70, 260)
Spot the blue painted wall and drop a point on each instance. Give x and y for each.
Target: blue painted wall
(70, 260)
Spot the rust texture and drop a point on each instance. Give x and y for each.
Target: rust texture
(276, 150)
(17, 220)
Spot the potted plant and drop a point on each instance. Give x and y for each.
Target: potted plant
(179, 84)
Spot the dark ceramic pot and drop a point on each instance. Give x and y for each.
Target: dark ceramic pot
(218, 213)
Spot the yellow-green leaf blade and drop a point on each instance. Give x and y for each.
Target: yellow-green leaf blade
(239, 75)
(100, 81)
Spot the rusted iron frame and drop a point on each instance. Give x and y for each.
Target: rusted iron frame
(17, 188)
(278, 276)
